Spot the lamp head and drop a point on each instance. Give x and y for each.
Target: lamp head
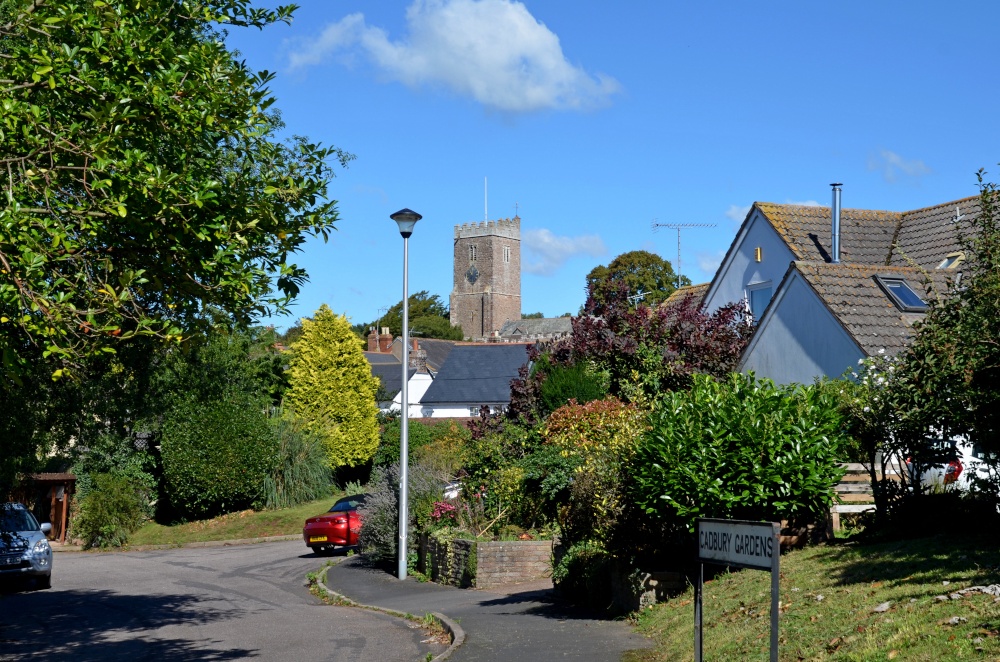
(406, 219)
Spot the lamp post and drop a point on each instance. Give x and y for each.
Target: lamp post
(405, 219)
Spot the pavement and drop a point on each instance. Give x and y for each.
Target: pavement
(520, 622)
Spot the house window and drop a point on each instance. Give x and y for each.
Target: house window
(474, 411)
(758, 296)
(952, 260)
(472, 253)
(901, 294)
(506, 253)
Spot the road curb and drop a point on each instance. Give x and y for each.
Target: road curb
(450, 626)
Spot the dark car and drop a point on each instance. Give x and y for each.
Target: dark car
(337, 527)
(24, 549)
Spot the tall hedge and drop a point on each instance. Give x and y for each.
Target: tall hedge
(332, 389)
(217, 455)
(743, 449)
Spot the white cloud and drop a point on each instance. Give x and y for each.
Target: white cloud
(804, 203)
(493, 51)
(737, 213)
(547, 252)
(892, 165)
(709, 262)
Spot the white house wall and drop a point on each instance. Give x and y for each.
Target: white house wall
(799, 339)
(415, 389)
(742, 268)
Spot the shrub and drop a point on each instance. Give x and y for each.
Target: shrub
(601, 436)
(741, 449)
(123, 457)
(562, 383)
(112, 510)
(439, 446)
(302, 472)
(379, 535)
(583, 574)
(217, 455)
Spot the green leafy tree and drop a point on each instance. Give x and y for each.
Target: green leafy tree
(634, 272)
(143, 179)
(331, 387)
(428, 318)
(533, 316)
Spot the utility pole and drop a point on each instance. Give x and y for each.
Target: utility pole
(679, 227)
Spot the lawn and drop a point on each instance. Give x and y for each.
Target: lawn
(234, 526)
(845, 601)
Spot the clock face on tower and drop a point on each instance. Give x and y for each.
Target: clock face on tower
(472, 275)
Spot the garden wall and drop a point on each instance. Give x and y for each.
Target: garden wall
(467, 563)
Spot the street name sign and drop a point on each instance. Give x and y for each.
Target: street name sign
(753, 545)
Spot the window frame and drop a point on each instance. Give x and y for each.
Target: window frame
(758, 287)
(887, 285)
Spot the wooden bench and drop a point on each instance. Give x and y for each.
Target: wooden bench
(854, 492)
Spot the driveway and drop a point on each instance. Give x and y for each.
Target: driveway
(216, 603)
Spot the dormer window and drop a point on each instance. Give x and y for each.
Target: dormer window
(952, 260)
(901, 294)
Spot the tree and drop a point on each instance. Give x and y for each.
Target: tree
(142, 177)
(428, 318)
(533, 316)
(949, 381)
(333, 390)
(641, 272)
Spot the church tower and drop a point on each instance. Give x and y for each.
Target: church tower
(487, 290)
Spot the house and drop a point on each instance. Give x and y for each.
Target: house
(829, 286)
(473, 375)
(536, 330)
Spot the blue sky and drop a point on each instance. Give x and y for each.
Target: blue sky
(593, 119)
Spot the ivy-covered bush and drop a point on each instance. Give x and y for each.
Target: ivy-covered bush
(301, 472)
(742, 449)
(216, 456)
(111, 511)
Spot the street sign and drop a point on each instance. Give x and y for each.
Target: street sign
(743, 544)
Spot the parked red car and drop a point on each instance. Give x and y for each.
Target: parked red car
(336, 528)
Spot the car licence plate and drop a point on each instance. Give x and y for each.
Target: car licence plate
(317, 538)
(10, 560)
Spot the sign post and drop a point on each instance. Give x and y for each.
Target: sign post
(742, 544)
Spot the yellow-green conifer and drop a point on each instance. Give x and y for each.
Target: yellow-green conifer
(332, 389)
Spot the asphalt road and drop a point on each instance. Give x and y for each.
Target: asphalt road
(217, 603)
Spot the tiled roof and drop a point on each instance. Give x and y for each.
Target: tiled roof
(697, 291)
(865, 311)
(477, 374)
(865, 235)
(927, 236)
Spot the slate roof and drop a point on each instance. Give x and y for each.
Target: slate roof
(477, 374)
(387, 369)
(850, 292)
(437, 351)
(532, 328)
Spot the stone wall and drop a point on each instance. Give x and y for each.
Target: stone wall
(466, 563)
(512, 562)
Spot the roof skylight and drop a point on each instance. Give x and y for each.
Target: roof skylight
(901, 294)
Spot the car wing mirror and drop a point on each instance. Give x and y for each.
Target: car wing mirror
(46, 528)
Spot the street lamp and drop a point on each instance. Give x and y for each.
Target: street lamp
(405, 219)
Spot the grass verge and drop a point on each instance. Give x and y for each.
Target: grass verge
(900, 600)
(234, 526)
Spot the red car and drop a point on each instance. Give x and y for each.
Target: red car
(336, 528)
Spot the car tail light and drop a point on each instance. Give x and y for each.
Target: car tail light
(952, 472)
